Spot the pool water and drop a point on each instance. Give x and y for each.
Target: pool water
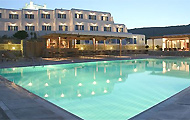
(109, 90)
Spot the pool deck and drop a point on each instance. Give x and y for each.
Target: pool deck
(16, 103)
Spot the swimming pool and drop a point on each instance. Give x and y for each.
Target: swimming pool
(106, 90)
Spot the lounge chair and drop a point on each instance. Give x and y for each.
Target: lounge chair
(10, 56)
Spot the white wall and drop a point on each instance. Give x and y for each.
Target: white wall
(70, 21)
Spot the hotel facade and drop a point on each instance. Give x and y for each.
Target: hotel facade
(61, 26)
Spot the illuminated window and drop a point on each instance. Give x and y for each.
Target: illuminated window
(29, 16)
(104, 18)
(87, 42)
(30, 28)
(63, 16)
(129, 41)
(79, 27)
(107, 29)
(45, 16)
(92, 17)
(80, 16)
(12, 28)
(63, 28)
(93, 28)
(13, 16)
(46, 28)
(119, 30)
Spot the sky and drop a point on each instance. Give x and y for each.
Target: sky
(132, 13)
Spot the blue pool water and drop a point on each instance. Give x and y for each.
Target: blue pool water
(112, 90)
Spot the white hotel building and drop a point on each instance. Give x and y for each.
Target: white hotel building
(42, 21)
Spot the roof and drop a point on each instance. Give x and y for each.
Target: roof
(88, 35)
(90, 11)
(172, 36)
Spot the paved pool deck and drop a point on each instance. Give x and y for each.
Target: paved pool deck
(16, 103)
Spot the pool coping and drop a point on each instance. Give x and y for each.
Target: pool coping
(71, 61)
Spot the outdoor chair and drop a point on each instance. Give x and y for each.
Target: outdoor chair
(2, 57)
(10, 56)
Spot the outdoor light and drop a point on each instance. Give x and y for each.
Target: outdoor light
(120, 79)
(13, 48)
(93, 93)
(82, 48)
(62, 95)
(111, 48)
(80, 84)
(108, 81)
(94, 82)
(13, 69)
(30, 84)
(46, 95)
(46, 84)
(135, 47)
(135, 70)
(79, 95)
(61, 12)
(105, 91)
(9, 42)
(168, 69)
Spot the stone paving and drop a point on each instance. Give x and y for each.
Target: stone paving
(18, 104)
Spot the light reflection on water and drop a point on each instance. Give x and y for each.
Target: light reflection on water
(105, 90)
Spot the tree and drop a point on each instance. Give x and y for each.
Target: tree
(21, 35)
(31, 34)
(35, 36)
(4, 37)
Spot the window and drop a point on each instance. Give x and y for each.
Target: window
(79, 16)
(101, 41)
(117, 41)
(135, 40)
(46, 16)
(13, 16)
(12, 28)
(119, 30)
(30, 28)
(0, 15)
(78, 42)
(92, 17)
(63, 16)
(87, 42)
(63, 28)
(93, 28)
(129, 40)
(104, 18)
(79, 27)
(29, 16)
(46, 28)
(107, 29)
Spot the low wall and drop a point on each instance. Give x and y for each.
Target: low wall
(110, 47)
(169, 53)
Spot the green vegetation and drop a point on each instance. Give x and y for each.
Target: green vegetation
(21, 35)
